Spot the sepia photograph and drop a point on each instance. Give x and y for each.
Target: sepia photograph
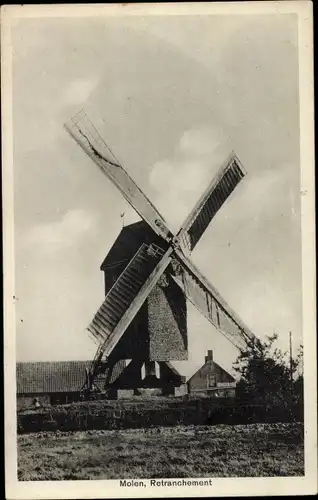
(159, 291)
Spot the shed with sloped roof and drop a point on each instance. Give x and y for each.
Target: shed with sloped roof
(53, 382)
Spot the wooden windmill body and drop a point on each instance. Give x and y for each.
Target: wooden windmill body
(148, 277)
(158, 332)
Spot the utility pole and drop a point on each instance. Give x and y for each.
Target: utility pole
(290, 360)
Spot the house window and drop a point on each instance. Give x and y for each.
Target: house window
(211, 381)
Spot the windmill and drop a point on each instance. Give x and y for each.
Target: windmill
(148, 277)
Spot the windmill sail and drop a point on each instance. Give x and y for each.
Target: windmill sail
(127, 295)
(229, 176)
(210, 303)
(86, 135)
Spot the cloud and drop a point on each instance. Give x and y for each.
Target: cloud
(79, 90)
(179, 181)
(65, 233)
(201, 141)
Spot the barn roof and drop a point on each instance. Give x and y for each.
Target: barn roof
(53, 376)
(128, 242)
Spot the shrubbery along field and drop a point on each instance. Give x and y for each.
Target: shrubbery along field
(123, 415)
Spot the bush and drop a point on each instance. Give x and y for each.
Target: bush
(265, 375)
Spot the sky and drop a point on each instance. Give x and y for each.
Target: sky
(172, 96)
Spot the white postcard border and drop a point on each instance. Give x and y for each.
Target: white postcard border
(220, 486)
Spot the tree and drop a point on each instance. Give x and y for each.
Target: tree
(298, 382)
(299, 361)
(265, 378)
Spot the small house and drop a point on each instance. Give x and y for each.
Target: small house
(212, 380)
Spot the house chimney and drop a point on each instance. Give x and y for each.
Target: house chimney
(209, 357)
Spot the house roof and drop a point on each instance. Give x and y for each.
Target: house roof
(129, 241)
(54, 376)
(217, 367)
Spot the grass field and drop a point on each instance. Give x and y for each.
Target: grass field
(201, 451)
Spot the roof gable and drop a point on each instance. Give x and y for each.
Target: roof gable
(211, 367)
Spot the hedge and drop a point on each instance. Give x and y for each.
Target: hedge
(89, 417)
